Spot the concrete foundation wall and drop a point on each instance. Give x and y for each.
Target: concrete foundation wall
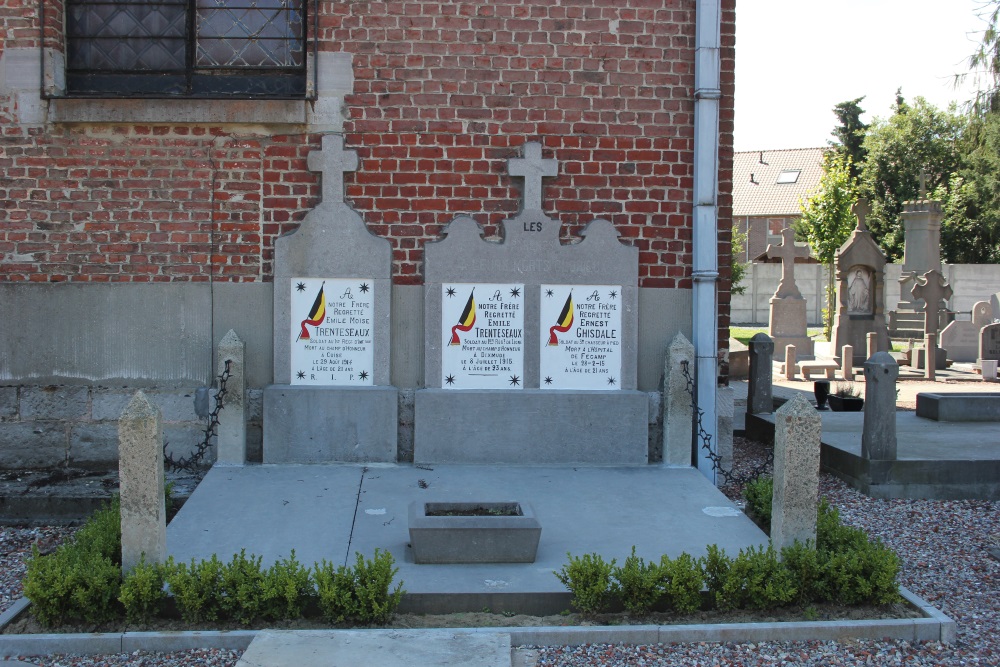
(72, 355)
(970, 282)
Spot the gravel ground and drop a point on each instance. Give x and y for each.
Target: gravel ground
(943, 546)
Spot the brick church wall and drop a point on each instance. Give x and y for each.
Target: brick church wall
(444, 93)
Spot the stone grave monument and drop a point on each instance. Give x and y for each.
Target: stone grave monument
(331, 399)
(961, 338)
(921, 253)
(788, 306)
(860, 291)
(530, 345)
(989, 343)
(931, 291)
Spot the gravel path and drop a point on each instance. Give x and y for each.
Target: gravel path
(943, 546)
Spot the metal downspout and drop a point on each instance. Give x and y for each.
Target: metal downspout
(705, 237)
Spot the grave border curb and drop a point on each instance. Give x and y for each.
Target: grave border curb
(933, 626)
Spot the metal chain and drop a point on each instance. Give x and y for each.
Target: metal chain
(192, 462)
(730, 477)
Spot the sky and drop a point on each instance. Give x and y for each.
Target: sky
(797, 59)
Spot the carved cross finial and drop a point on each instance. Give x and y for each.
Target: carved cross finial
(932, 288)
(332, 160)
(532, 168)
(861, 210)
(787, 251)
(923, 183)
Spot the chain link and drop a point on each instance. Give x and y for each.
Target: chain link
(192, 462)
(731, 478)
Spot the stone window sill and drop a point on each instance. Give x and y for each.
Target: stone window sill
(261, 112)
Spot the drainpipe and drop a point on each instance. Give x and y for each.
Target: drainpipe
(705, 237)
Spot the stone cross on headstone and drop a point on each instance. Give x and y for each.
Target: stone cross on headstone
(932, 288)
(861, 210)
(333, 161)
(787, 251)
(532, 168)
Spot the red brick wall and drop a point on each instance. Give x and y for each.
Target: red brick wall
(445, 93)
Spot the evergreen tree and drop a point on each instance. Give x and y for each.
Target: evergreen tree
(850, 134)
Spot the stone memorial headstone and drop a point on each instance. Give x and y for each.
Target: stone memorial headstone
(562, 320)
(871, 343)
(788, 307)
(878, 435)
(678, 420)
(989, 342)
(932, 290)
(860, 291)
(961, 338)
(847, 363)
(331, 399)
(789, 365)
(760, 399)
(921, 253)
(797, 429)
(141, 485)
(995, 306)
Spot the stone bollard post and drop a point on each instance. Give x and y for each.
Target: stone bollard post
(847, 362)
(759, 396)
(789, 362)
(872, 339)
(678, 415)
(140, 479)
(797, 430)
(930, 356)
(232, 434)
(878, 436)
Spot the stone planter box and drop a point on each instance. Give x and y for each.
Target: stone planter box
(506, 532)
(845, 403)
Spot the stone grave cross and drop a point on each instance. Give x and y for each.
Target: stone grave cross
(332, 160)
(532, 168)
(932, 288)
(787, 251)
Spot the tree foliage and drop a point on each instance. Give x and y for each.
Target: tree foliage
(970, 230)
(850, 134)
(984, 63)
(917, 138)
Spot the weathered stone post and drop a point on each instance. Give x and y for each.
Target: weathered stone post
(930, 356)
(140, 478)
(878, 436)
(232, 434)
(872, 344)
(759, 397)
(724, 407)
(797, 430)
(789, 362)
(847, 362)
(678, 416)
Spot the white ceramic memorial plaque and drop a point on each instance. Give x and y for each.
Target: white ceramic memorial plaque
(581, 337)
(331, 329)
(483, 329)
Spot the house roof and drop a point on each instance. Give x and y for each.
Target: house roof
(767, 183)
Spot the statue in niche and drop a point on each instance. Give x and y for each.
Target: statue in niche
(859, 290)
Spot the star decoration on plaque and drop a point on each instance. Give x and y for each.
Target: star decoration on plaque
(611, 381)
(515, 291)
(364, 288)
(363, 375)
(613, 294)
(300, 287)
(450, 291)
(549, 292)
(548, 379)
(300, 375)
(450, 379)
(514, 380)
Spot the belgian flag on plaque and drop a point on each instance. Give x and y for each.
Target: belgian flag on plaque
(316, 314)
(564, 322)
(467, 319)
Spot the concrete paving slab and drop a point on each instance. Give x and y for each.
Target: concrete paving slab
(271, 509)
(268, 510)
(385, 648)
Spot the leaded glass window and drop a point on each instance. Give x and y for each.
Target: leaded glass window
(200, 48)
